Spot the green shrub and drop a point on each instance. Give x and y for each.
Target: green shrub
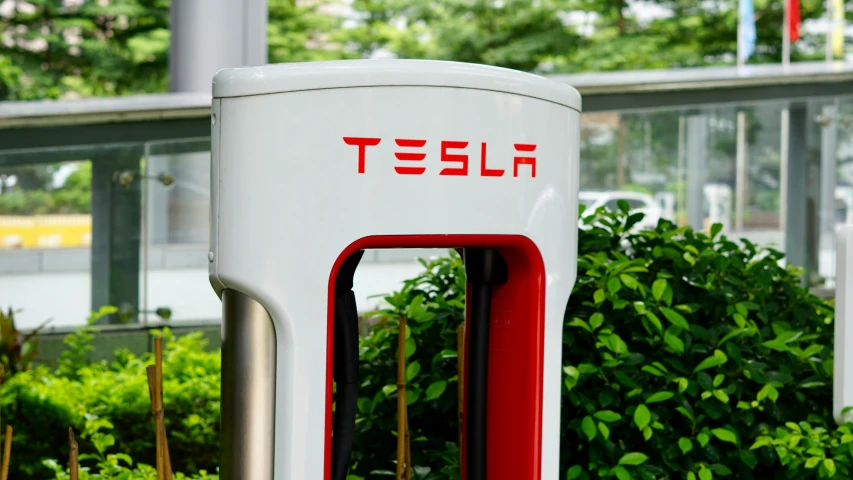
(113, 466)
(686, 356)
(681, 350)
(42, 404)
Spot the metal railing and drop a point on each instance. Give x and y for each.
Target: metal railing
(671, 134)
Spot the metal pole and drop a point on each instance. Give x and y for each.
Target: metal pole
(783, 168)
(797, 220)
(697, 151)
(740, 172)
(828, 171)
(680, 202)
(208, 35)
(842, 395)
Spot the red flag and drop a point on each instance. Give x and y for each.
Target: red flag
(794, 20)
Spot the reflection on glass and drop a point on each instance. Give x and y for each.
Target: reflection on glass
(45, 241)
(647, 158)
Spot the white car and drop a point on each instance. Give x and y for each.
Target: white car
(637, 202)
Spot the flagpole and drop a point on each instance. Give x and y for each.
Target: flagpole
(786, 35)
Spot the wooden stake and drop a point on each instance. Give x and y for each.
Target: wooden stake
(408, 447)
(73, 451)
(460, 379)
(401, 400)
(7, 453)
(164, 442)
(155, 392)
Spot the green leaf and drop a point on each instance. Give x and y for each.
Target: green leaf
(577, 322)
(718, 380)
(596, 320)
(412, 371)
(725, 435)
(572, 375)
(829, 465)
(704, 473)
(652, 370)
(605, 432)
(685, 445)
(642, 416)
(691, 476)
(675, 318)
(588, 426)
(389, 389)
(721, 396)
(703, 439)
(640, 307)
(654, 320)
(416, 307)
(614, 285)
(683, 383)
(435, 390)
(620, 473)
(607, 416)
(587, 368)
(733, 333)
(812, 462)
(629, 281)
(574, 472)
(410, 347)
(715, 360)
(768, 390)
(659, 397)
(716, 229)
(633, 459)
(761, 442)
(674, 343)
(658, 288)
(598, 296)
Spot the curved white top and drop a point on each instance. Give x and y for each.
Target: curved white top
(294, 77)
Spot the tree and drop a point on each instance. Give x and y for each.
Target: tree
(88, 47)
(301, 31)
(517, 34)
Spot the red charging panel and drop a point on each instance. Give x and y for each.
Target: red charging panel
(516, 350)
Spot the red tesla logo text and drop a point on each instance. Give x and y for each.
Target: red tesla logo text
(453, 157)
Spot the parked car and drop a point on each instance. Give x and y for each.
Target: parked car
(641, 202)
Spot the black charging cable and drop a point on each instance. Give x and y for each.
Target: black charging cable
(484, 267)
(345, 368)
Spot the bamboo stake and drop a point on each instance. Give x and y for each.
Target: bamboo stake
(73, 451)
(7, 453)
(153, 394)
(408, 447)
(401, 400)
(460, 379)
(161, 431)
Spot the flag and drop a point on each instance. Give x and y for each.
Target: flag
(746, 42)
(838, 27)
(793, 20)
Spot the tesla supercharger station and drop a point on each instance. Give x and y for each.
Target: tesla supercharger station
(313, 163)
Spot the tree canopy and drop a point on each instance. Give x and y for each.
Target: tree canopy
(61, 48)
